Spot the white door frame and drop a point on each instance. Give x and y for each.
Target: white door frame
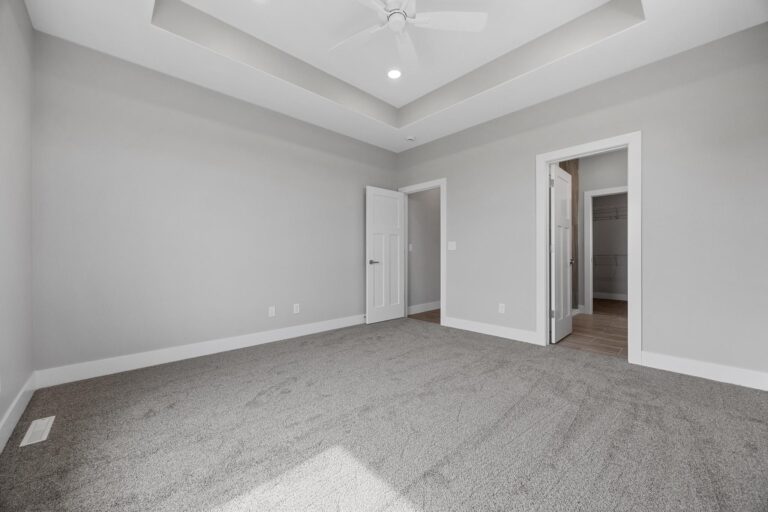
(441, 184)
(632, 142)
(589, 245)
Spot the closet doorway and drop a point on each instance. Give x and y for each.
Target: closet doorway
(605, 247)
(600, 271)
(601, 323)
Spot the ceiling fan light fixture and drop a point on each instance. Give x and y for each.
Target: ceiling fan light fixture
(394, 74)
(396, 21)
(400, 20)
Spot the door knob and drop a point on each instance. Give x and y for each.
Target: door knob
(373, 262)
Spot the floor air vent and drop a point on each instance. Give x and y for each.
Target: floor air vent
(38, 431)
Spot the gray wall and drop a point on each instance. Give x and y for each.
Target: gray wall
(607, 170)
(704, 118)
(609, 237)
(15, 205)
(424, 241)
(167, 214)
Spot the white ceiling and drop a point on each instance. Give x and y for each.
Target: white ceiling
(309, 29)
(458, 84)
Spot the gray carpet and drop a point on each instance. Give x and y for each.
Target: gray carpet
(405, 416)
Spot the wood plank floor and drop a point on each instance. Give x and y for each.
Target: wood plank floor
(428, 316)
(604, 332)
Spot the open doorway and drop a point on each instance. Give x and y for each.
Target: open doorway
(589, 225)
(598, 263)
(390, 292)
(423, 246)
(426, 250)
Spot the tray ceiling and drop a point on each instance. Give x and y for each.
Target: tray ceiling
(309, 30)
(277, 53)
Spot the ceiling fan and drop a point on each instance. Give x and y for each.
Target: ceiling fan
(397, 15)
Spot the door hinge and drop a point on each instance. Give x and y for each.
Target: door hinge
(552, 313)
(551, 182)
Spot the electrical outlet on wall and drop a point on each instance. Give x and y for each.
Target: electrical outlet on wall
(296, 309)
(271, 312)
(502, 308)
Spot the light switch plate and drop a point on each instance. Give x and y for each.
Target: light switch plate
(451, 246)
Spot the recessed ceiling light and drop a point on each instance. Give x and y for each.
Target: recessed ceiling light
(394, 74)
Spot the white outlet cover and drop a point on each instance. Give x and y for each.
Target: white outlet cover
(502, 308)
(296, 309)
(271, 311)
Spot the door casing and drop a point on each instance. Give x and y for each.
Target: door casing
(632, 142)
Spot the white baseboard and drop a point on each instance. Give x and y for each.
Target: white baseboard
(14, 412)
(712, 371)
(421, 308)
(101, 367)
(610, 296)
(493, 330)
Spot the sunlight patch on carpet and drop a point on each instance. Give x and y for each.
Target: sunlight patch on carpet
(331, 480)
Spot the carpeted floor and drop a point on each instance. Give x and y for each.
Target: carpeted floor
(404, 415)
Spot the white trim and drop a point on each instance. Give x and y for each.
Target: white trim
(589, 242)
(632, 142)
(493, 330)
(421, 308)
(15, 410)
(712, 371)
(610, 296)
(442, 184)
(422, 187)
(635, 247)
(577, 311)
(90, 369)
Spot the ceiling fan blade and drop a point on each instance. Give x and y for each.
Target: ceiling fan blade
(452, 20)
(361, 37)
(407, 50)
(377, 5)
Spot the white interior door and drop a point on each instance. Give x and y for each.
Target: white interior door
(561, 240)
(384, 254)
